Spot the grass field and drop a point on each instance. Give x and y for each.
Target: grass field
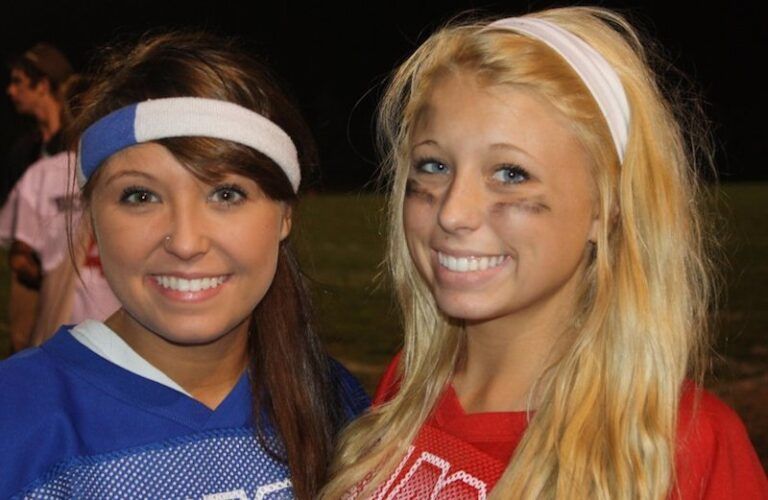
(341, 247)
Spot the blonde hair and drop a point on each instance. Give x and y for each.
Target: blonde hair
(605, 423)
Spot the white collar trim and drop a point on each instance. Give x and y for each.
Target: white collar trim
(104, 342)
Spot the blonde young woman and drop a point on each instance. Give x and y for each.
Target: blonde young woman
(546, 246)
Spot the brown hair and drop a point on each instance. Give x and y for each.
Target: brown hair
(299, 399)
(43, 61)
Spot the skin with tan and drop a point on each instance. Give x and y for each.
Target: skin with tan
(35, 100)
(188, 260)
(499, 213)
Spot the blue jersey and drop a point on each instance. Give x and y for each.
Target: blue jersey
(74, 425)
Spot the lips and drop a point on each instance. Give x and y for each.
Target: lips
(188, 289)
(180, 284)
(189, 285)
(470, 263)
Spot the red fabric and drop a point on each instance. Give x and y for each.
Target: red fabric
(458, 455)
(715, 459)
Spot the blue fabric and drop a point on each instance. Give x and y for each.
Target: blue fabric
(74, 425)
(354, 399)
(107, 136)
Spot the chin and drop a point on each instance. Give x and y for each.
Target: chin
(468, 310)
(194, 334)
(191, 339)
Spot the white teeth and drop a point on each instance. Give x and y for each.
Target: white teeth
(469, 264)
(189, 285)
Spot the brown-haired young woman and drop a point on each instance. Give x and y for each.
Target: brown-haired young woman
(210, 379)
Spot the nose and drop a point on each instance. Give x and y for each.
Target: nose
(462, 206)
(187, 237)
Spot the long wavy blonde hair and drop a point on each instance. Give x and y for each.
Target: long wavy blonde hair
(605, 422)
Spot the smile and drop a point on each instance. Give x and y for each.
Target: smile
(471, 263)
(189, 285)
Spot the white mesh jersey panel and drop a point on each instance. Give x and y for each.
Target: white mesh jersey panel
(220, 465)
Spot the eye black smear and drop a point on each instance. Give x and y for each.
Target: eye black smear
(413, 189)
(526, 205)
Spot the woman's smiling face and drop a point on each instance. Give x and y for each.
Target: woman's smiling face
(188, 260)
(500, 204)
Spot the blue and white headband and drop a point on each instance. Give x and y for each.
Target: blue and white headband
(596, 73)
(185, 117)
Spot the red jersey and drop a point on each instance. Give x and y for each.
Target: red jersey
(457, 455)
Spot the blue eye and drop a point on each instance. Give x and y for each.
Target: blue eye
(511, 174)
(136, 195)
(228, 195)
(431, 166)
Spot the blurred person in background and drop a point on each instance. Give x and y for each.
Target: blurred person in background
(37, 76)
(72, 285)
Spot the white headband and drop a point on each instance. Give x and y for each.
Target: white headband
(596, 73)
(185, 117)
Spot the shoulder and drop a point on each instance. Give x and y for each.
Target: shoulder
(32, 379)
(34, 395)
(62, 159)
(44, 181)
(699, 406)
(715, 458)
(389, 383)
(706, 422)
(353, 397)
(55, 165)
(22, 371)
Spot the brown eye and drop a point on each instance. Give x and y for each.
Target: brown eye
(138, 196)
(228, 195)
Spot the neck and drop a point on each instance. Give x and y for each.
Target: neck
(48, 117)
(505, 357)
(208, 372)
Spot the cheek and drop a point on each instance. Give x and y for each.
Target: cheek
(419, 219)
(543, 239)
(121, 240)
(518, 223)
(121, 261)
(256, 257)
(111, 245)
(255, 241)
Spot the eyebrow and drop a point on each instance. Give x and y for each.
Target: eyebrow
(129, 173)
(504, 145)
(428, 142)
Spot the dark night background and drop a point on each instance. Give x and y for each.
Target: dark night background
(333, 58)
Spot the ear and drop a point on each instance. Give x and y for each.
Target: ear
(86, 231)
(286, 221)
(594, 230)
(44, 86)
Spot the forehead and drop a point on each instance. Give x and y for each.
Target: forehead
(157, 162)
(19, 75)
(150, 158)
(461, 109)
